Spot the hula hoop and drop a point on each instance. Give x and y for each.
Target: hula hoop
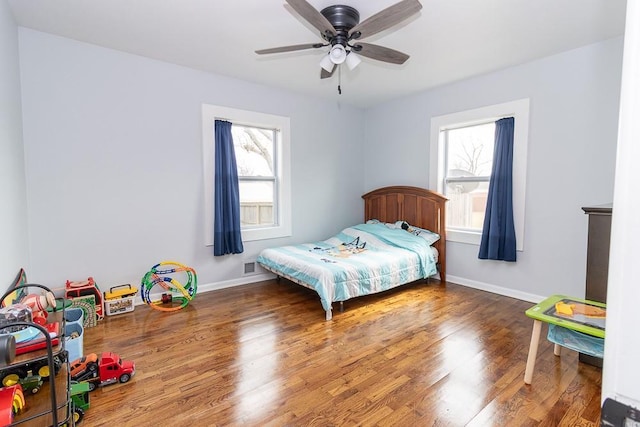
(154, 277)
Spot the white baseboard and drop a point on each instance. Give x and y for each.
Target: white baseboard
(512, 293)
(245, 280)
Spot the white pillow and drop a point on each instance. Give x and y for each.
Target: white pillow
(375, 221)
(429, 236)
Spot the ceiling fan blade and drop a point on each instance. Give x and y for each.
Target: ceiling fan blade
(311, 15)
(382, 53)
(324, 74)
(289, 48)
(386, 18)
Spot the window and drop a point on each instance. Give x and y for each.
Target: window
(468, 157)
(460, 167)
(261, 145)
(255, 150)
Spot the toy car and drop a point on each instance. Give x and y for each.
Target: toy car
(108, 369)
(80, 400)
(88, 362)
(31, 383)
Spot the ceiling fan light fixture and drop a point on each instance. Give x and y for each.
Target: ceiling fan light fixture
(338, 54)
(352, 60)
(326, 63)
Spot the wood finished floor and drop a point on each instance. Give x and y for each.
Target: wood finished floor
(263, 355)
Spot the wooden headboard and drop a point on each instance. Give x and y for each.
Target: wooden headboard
(418, 206)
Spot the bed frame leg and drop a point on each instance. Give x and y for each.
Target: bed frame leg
(341, 306)
(328, 315)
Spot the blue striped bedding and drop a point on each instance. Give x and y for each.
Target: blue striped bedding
(360, 260)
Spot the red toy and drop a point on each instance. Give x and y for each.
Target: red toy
(38, 305)
(85, 288)
(109, 369)
(40, 342)
(11, 403)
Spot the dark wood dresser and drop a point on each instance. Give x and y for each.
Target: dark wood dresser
(597, 259)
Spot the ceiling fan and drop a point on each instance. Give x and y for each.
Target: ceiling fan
(340, 28)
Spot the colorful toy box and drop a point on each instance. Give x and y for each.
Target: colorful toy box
(87, 288)
(87, 304)
(120, 299)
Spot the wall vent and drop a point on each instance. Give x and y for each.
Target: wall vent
(249, 268)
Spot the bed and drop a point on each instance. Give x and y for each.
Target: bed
(401, 240)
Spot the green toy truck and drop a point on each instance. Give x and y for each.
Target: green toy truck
(79, 400)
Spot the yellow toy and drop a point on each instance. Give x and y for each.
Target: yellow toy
(564, 308)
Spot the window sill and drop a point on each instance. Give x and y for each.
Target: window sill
(252, 234)
(468, 237)
(261, 234)
(471, 238)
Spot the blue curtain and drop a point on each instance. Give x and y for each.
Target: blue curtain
(498, 233)
(226, 227)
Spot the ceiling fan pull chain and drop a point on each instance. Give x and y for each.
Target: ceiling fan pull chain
(339, 80)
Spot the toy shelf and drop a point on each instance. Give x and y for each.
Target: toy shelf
(39, 407)
(38, 411)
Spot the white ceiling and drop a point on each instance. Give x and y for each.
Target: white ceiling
(448, 40)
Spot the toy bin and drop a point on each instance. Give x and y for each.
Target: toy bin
(120, 299)
(83, 290)
(74, 340)
(577, 341)
(74, 315)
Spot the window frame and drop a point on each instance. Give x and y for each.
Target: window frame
(282, 160)
(519, 110)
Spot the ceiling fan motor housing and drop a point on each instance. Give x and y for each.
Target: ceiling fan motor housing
(343, 18)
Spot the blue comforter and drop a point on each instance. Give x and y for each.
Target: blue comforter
(360, 260)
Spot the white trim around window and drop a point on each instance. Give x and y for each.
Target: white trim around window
(520, 111)
(210, 113)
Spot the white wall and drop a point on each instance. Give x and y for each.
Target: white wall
(114, 162)
(13, 200)
(621, 372)
(572, 145)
